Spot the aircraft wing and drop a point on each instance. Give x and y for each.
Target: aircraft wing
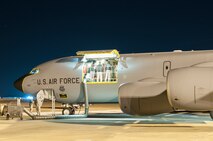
(204, 64)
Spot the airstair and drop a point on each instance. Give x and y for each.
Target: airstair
(36, 117)
(48, 94)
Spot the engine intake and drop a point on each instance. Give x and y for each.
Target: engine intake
(191, 88)
(144, 98)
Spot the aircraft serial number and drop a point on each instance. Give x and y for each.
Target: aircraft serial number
(74, 80)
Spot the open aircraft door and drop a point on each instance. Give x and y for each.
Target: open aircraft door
(99, 67)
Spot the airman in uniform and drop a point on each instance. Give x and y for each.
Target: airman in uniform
(92, 72)
(99, 70)
(108, 71)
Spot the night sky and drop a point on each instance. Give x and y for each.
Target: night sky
(32, 32)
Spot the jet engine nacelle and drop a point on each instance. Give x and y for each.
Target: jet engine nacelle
(191, 88)
(144, 98)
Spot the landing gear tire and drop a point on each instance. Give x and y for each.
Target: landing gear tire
(7, 117)
(68, 111)
(211, 114)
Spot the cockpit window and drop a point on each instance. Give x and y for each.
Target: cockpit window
(34, 71)
(69, 59)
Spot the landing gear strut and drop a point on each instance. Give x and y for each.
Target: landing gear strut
(86, 107)
(211, 114)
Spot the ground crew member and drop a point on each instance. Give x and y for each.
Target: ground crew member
(99, 70)
(18, 101)
(108, 71)
(31, 103)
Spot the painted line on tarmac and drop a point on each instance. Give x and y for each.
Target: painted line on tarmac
(118, 122)
(171, 125)
(209, 122)
(110, 119)
(136, 122)
(101, 127)
(126, 127)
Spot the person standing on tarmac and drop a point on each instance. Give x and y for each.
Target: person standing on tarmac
(108, 72)
(99, 70)
(31, 103)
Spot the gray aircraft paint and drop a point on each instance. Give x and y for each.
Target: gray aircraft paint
(147, 84)
(139, 66)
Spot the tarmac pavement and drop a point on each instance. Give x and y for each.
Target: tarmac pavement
(108, 123)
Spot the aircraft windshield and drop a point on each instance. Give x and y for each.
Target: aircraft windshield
(34, 71)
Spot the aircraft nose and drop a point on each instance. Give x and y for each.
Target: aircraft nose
(18, 83)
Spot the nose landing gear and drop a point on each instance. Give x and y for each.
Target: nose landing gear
(69, 110)
(86, 107)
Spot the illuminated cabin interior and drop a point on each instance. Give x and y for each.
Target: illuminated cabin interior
(99, 67)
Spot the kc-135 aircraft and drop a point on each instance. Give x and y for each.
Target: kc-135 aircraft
(142, 83)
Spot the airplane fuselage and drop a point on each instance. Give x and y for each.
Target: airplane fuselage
(61, 76)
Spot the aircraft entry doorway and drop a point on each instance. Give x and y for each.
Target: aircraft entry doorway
(99, 67)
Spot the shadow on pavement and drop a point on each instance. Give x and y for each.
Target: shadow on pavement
(119, 119)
